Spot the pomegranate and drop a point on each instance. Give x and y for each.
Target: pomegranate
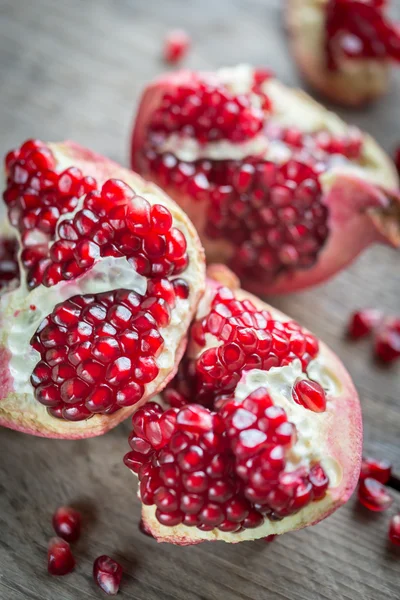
(387, 340)
(373, 495)
(394, 530)
(60, 560)
(380, 470)
(279, 188)
(237, 456)
(67, 523)
(111, 274)
(344, 48)
(363, 322)
(176, 46)
(107, 573)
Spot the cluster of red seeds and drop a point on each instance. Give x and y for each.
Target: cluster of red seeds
(248, 339)
(9, 270)
(36, 196)
(207, 111)
(359, 29)
(225, 469)
(99, 351)
(115, 222)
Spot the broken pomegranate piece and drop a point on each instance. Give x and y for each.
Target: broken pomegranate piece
(373, 495)
(176, 46)
(107, 573)
(99, 321)
(236, 457)
(279, 188)
(344, 48)
(67, 523)
(60, 560)
(380, 470)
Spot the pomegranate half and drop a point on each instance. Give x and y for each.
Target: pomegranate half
(260, 433)
(344, 48)
(111, 274)
(280, 189)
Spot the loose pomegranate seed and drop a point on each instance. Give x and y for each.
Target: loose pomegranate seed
(223, 469)
(387, 341)
(59, 557)
(360, 30)
(397, 159)
(377, 469)
(176, 46)
(363, 322)
(67, 523)
(394, 530)
(270, 538)
(107, 573)
(310, 395)
(9, 269)
(373, 495)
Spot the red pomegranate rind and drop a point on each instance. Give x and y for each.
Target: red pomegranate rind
(162, 435)
(359, 30)
(292, 210)
(69, 329)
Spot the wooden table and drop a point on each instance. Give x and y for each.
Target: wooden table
(75, 69)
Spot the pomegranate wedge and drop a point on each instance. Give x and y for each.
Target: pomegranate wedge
(237, 456)
(344, 48)
(111, 275)
(279, 188)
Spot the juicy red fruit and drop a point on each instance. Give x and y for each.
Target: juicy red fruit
(221, 470)
(377, 469)
(67, 523)
(363, 322)
(394, 530)
(176, 46)
(60, 560)
(107, 573)
(310, 395)
(373, 495)
(387, 341)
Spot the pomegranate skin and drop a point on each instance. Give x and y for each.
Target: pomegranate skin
(342, 440)
(356, 81)
(360, 211)
(20, 411)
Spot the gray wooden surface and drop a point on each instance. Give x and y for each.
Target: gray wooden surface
(75, 69)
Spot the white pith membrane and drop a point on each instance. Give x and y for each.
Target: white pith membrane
(290, 108)
(316, 435)
(22, 311)
(355, 81)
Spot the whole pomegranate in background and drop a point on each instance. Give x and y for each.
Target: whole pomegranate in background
(344, 48)
(278, 188)
(263, 435)
(111, 275)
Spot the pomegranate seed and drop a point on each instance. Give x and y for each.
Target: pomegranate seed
(363, 322)
(373, 495)
(310, 395)
(387, 341)
(67, 523)
(59, 557)
(377, 469)
(107, 573)
(176, 46)
(394, 530)
(270, 538)
(397, 159)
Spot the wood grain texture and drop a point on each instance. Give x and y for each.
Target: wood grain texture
(75, 70)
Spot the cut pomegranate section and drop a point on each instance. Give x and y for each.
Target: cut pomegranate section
(344, 48)
(278, 187)
(67, 523)
(176, 46)
(107, 573)
(60, 560)
(373, 495)
(99, 321)
(236, 457)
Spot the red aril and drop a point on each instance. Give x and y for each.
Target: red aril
(67, 523)
(107, 291)
(277, 187)
(387, 341)
(373, 495)
(363, 322)
(176, 46)
(394, 530)
(107, 573)
(309, 394)
(377, 469)
(60, 560)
